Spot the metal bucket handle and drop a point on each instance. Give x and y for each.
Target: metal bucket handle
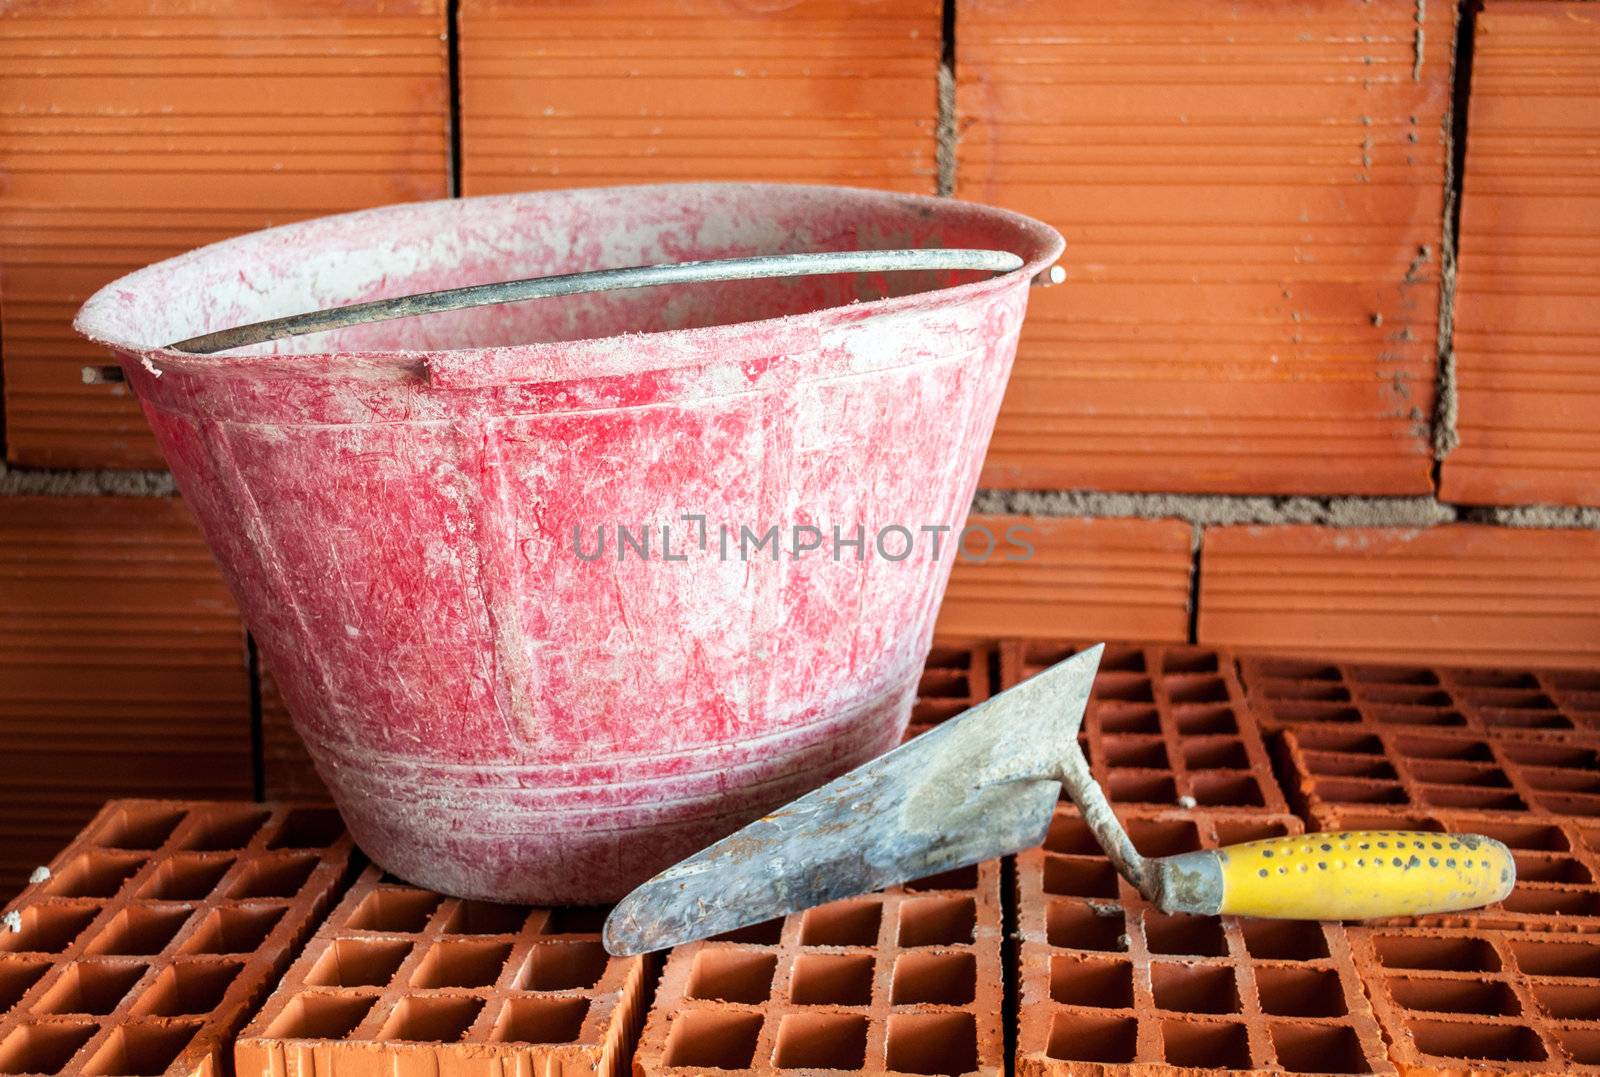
(604, 280)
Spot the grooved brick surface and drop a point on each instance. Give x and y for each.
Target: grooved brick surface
(405, 980)
(157, 931)
(1527, 321)
(1497, 703)
(1083, 579)
(903, 981)
(1165, 725)
(1335, 765)
(1479, 1000)
(564, 94)
(122, 668)
(1109, 985)
(1558, 863)
(1252, 200)
(1459, 594)
(130, 132)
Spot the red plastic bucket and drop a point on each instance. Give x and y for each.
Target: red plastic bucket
(408, 511)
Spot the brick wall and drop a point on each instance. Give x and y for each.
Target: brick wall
(1324, 377)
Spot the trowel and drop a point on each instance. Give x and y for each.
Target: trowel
(985, 784)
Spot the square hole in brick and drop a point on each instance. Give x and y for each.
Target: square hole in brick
(1288, 710)
(1224, 789)
(189, 988)
(1402, 715)
(1452, 953)
(713, 1039)
(1349, 765)
(1447, 772)
(1194, 988)
(932, 1043)
(320, 1017)
(1430, 995)
(239, 930)
(42, 1048)
(358, 963)
(1215, 753)
(576, 920)
(1234, 831)
(95, 873)
(218, 829)
(1477, 1041)
(1070, 834)
(1126, 751)
(140, 929)
(1119, 718)
(1576, 959)
(1319, 1049)
(1163, 837)
(821, 1041)
(1090, 1037)
(766, 933)
(1197, 689)
(1140, 787)
(1300, 992)
(1583, 1044)
(466, 964)
(563, 966)
(727, 974)
(47, 929)
(91, 987)
(140, 1050)
(431, 1019)
(541, 1020)
(1360, 791)
(1082, 981)
(937, 921)
(1184, 934)
(139, 826)
(308, 828)
(1079, 876)
(402, 911)
(943, 979)
(487, 918)
(187, 877)
(279, 876)
(955, 879)
(1077, 925)
(831, 980)
(1553, 901)
(842, 923)
(1176, 660)
(1570, 1002)
(17, 977)
(1208, 1045)
(1130, 688)
(1210, 719)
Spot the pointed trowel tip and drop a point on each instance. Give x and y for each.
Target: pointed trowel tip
(620, 935)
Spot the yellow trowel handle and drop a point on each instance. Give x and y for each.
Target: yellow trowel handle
(1343, 875)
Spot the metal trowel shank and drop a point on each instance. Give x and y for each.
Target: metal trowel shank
(979, 786)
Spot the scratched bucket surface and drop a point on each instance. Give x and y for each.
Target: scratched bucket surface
(394, 505)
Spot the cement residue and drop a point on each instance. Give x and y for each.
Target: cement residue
(945, 132)
(42, 482)
(1569, 517)
(1446, 406)
(1211, 510)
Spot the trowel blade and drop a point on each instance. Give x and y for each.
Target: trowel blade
(979, 786)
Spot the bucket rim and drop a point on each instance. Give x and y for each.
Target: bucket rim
(97, 320)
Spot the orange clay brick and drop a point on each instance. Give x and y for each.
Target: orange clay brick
(1483, 1001)
(1558, 863)
(1082, 579)
(1109, 985)
(1420, 770)
(1252, 197)
(558, 93)
(955, 678)
(1527, 310)
(155, 933)
(1501, 704)
(1165, 726)
(903, 981)
(408, 982)
(122, 667)
(132, 131)
(1458, 594)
